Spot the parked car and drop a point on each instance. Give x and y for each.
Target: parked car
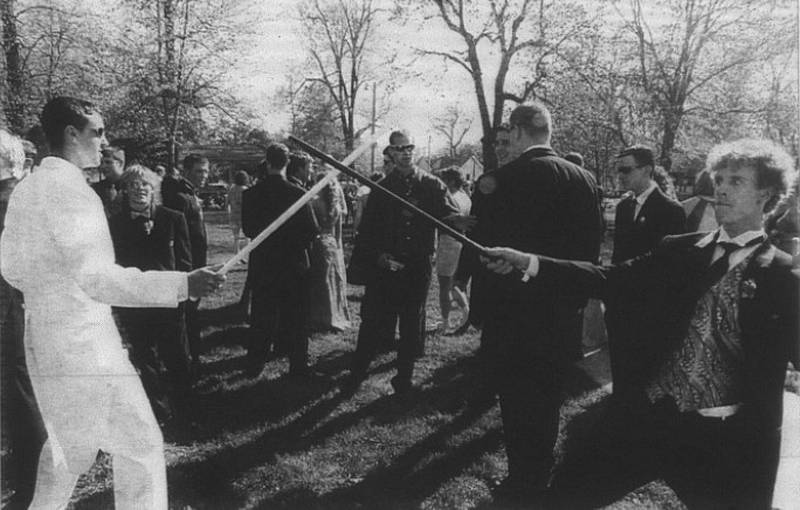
(214, 196)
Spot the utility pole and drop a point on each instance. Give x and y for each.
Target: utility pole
(372, 158)
(429, 152)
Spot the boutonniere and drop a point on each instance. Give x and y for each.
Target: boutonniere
(749, 288)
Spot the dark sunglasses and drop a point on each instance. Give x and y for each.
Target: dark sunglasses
(403, 148)
(626, 169)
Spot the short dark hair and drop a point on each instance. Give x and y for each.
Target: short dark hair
(533, 118)
(63, 111)
(642, 154)
(192, 160)
(241, 178)
(297, 160)
(574, 157)
(387, 151)
(116, 152)
(277, 155)
(451, 175)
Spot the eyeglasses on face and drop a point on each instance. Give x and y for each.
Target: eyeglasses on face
(137, 185)
(403, 148)
(626, 169)
(502, 143)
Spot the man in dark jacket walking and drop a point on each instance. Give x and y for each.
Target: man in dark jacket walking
(278, 268)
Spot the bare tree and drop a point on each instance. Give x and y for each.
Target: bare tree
(13, 105)
(42, 46)
(522, 34)
(702, 44)
(341, 37)
(185, 48)
(454, 126)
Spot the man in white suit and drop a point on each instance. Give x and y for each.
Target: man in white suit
(56, 248)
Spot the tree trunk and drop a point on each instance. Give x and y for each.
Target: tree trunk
(487, 142)
(14, 106)
(671, 124)
(169, 88)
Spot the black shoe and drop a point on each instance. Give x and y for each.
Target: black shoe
(307, 373)
(253, 368)
(513, 491)
(402, 387)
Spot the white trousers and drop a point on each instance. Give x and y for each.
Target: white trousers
(84, 414)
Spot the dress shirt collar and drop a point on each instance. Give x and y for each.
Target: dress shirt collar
(644, 195)
(148, 212)
(720, 235)
(739, 254)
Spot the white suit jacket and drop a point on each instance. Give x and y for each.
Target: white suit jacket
(56, 248)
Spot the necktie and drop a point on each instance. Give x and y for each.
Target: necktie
(722, 265)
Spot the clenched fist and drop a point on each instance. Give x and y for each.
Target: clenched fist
(204, 281)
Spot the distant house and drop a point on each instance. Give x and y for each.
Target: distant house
(471, 169)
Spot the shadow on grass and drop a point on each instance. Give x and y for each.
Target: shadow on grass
(423, 467)
(230, 314)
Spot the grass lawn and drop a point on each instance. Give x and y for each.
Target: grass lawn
(272, 442)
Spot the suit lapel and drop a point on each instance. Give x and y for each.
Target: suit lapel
(650, 205)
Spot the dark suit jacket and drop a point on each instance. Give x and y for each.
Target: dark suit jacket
(670, 280)
(181, 196)
(660, 216)
(538, 203)
(285, 254)
(166, 248)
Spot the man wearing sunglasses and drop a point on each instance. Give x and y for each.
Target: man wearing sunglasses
(643, 217)
(398, 245)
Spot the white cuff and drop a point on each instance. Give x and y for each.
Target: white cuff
(183, 288)
(533, 268)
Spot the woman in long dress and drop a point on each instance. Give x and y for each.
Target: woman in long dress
(448, 252)
(328, 288)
